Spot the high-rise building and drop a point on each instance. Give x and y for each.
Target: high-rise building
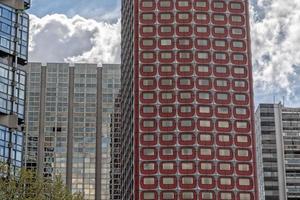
(68, 120)
(187, 103)
(13, 56)
(278, 147)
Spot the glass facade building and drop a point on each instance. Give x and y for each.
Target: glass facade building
(278, 139)
(14, 28)
(68, 126)
(61, 123)
(187, 103)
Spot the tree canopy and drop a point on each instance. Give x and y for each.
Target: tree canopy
(27, 185)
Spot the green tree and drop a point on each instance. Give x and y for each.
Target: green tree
(27, 185)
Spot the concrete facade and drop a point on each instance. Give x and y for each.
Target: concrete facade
(278, 142)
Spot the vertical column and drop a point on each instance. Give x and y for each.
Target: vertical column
(41, 146)
(280, 150)
(98, 134)
(70, 129)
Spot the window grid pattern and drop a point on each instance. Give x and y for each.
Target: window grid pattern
(12, 89)
(278, 129)
(84, 130)
(290, 125)
(6, 91)
(115, 145)
(194, 74)
(127, 102)
(110, 88)
(32, 114)
(55, 124)
(17, 148)
(8, 32)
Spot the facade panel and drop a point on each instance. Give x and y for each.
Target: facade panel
(179, 68)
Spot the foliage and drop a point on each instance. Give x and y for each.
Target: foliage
(27, 185)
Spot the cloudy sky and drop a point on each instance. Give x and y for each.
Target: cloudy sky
(89, 31)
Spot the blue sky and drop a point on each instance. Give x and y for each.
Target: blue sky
(90, 31)
(96, 9)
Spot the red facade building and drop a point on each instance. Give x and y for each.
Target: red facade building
(187, 101)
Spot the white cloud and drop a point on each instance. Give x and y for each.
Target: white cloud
(276, 46)
(57, 38)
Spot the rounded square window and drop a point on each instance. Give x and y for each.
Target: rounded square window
(147, 30)
(236, 7)
(186, 138)
(201, 17)
(165, 4)
(147, 70)
(237, 32)
(165, 17)
(147, 17)
(202, 30)
(219, 6)
(205, 139)
(167, 139)
(165, 30)
(147, 5)
(183, 17)
(148, 195)
(202, 5)
(168, 195)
